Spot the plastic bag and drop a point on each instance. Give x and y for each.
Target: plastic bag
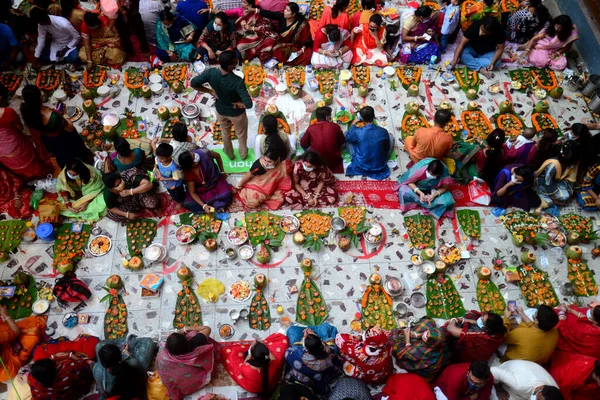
(479, 192)
(19, 388)
(49, 211)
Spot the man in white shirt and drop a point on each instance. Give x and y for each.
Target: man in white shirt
(524, 380)
(63, 47)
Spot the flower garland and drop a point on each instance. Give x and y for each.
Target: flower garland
(409, 75)
(94, 79)
(361, 75)
(11, 81)
(48, 80)
(253, 75)
(545, 78)
(510, 123)
(170, 73)
(543, 121)
(294, 76)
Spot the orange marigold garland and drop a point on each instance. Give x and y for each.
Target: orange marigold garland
(543, 121)
(476, 123)
(510, 123)
(410, 124)
(361, 75)
(409, 75)
(11, 81)
(95, 78)
(294, 77)
(544, 78)
(48, 80)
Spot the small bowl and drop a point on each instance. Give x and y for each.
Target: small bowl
(226, 331)
(401, 310)
(246, 252)
(418, 300)
(192, 231)
(230, 253)
(59, 95)
(394, 287)
(156, 88)
(389, 71)
(39, 307)
(338, 224)
(103, 91)
(345, 75)
(111, 119)
(155, 252)
(155, 78)
(281, 88)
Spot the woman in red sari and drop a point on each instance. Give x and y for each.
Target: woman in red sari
(256, 366)
(14, 195)
(368, 10)
(368, 41)
(63, 376)
(332, 15)
(17, 152)
(579, 330)
(577, 376)
(295, 44)
(313, 183)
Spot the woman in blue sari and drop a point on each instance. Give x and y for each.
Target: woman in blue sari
(312, 357)
(171, 45)
(418, 32)
(425, 185)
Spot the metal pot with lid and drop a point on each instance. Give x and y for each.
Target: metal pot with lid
(190, 113)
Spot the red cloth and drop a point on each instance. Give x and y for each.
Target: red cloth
(326, 138)
(475, 345)
(408, 387)
(246, 376)
(85, 344)
(571, 372)
(453, 383)
(579, 335)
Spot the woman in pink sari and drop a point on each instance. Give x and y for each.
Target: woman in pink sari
(547, 49)
(17, 152)
(256, 35)
(368, 41)
(185, 362)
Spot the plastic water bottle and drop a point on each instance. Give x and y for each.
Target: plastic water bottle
(384, 76)
(205, 59)
(465, 135)
(432, 61)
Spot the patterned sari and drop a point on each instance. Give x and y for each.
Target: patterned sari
(269, 188)
(540, 55)
(366, 358)
(134, 204)
(421, 52)
(555, 184)
(10, 186)
(366, 51)
(293, 38)
(442, 205)
(259, 41)
(168, 39)
(311, 371)
(591, 182)
(79, 193)
(210, 185)
(342, 21)
(73, 379)
(572, 372)
(105, 42)
(309, 182)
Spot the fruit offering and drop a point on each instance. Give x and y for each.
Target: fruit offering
(536, 287)
(115, 319)
(411, 122)
(582, 278)
(510, 123)
(376, 306)
(218, 135)
(140, 234)
(10, 234)
(470, 223)
(443, 301)
(432, 4)
(453, 128)
(26, 293)
(294, 77)
(48, 80)
(69, 246)
(327, 79)
(521, 79)
(94, 78)
(361, 75)
(310, 308)
(134, 80)
(174, 73)
(167, 131)
(578, 224)
(282, 124)
(129, 130)
(523, 226)
(201, 222)
(510, 6)
(489, 297)
(314, 225)
(355, 224)
(543, 121)
(315, 10)
(11, 81)
(421, 230)
(259, 316)
(254, 74)
(409, 75)
(187, 307)
(476, 123)
(353, 7)
(264, 227)
(467, 79)
(544, 78)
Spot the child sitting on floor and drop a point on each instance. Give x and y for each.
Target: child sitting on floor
(451, 21)
(169, 173)
(521, 149)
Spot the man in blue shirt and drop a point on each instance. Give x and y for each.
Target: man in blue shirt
(195, 11)
(9, 46)
(369, 146)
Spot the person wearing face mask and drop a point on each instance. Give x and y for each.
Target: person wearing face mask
(332, 48)
(256, 366)
(476, 337)
(218, 36)
(418, 37)
(514, 188)
(207, 187)
(313, 184)
(370, 146)
(79, 187)
(466, 381)
(326, 139)
(577, 376)
(425, 185)
(171, 44)
(267, 182)
(127, 194)
(367, 357)
(579, 330)
(580, 134)
(533, 341)
(524, 380)
(368, 41)
(480, 159)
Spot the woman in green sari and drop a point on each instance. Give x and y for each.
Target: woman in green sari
(80, 189)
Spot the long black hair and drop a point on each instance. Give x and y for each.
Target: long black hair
(122, 147)
(338, 7)
(569, 153)
(494, 158)
(78, 166)
(272, 140)
(261, 358)
(31, 108)
(567, 27)
(546, 145)
(295, 9)
(129, 383)
(314, 345)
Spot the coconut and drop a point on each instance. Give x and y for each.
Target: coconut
(505, 107)
(3, 257)
(298, 238)
(89, 107)
(574, 253)
(573, 238)
(484, 273)
(344, 243)
(413, 90)
(517, 240)
(177, 87)
(427, 254)
(375, 279)
(162, 113)
(440, 267)
(146, 92)
(328, 98)
(114, 282)
(556, 93)
(88, 94)
(306, 264)
(109, 132)
(596, 252)
(64, 266)
(260, 280)
(263, 255)
(184, 274)
(542, 106)
(412, 108)
(21, 278)
(295, 92)
(272, 110)
(527, 257)
(471, 94)
(363, 90)
(135, 263)
(472, 106)
(175, 112)
(210, 244)
(445, 105)
(254, 90)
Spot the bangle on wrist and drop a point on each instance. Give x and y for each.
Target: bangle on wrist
(127, 216)
(131, 192)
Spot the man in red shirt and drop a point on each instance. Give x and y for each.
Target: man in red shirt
(326, 138)
(430, 142)
(466, 381)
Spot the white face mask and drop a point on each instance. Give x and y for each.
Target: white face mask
(588, 314)
(74, 177)
(513, 178)
(196, 158)
(570, 136)
(358, 117)
(217, 27)
(480, 323)
(307, 169)
(429, 176)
